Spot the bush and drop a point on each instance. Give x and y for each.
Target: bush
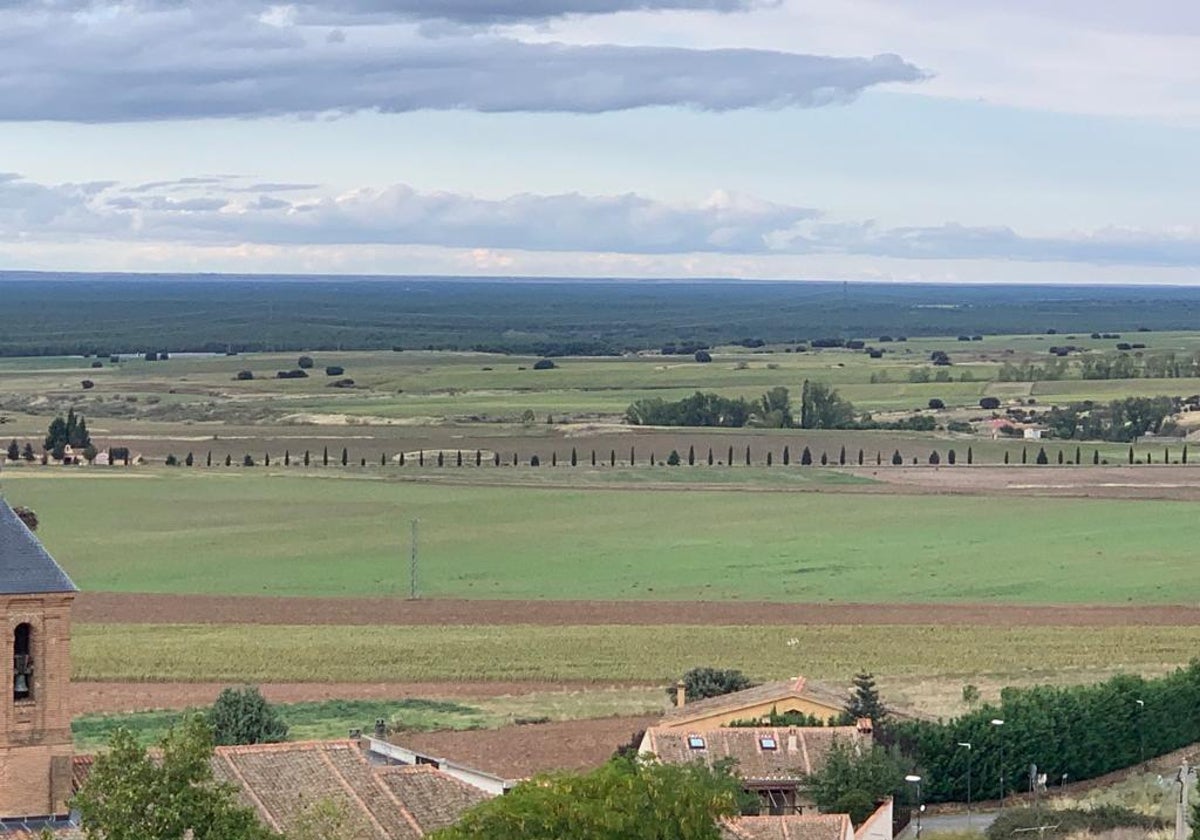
(334, 370)
(703, 356)
(897, 458)
(989, 403)
(172, 461)
(673, 459)
(304, 362)
(97, 364)
(544, 364)
(1070, 821)
(959, 426)
(291, 374)
(88, 384)
(345, 382)
(243, 716)
(700, 683)
(936, 404)
(244, 375)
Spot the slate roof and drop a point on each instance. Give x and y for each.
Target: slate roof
(798, 751)
(789, 827)
(279, 781)
(25, 566)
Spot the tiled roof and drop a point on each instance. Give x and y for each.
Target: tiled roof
(789, 827)
(25, 566)
(281, 780)
(765, 693)
(798, 751)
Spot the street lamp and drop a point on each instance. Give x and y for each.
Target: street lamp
(916, 780)
(1142, 729)
(967, 745)
(998, 723)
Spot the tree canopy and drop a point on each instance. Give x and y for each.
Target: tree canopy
(854, 783)
(627, 798)
(131, 796)
(243, 716)
(700, 683)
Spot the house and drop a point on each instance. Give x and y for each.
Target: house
(878, 826)
(795, 695)
(1032, 433)
(771, 761)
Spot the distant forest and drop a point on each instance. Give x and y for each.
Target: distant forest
(43, 314)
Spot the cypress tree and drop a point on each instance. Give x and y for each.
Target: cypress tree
(574, 457)
(897, 458)
(441, 458)
(593, 457)
(325, 458)
(207, 461)
(1078, 456)
(951, 457)
(691, 456)
(228, 460)
(631, 459)
(515, 459)
(1131, 454)
(1096, 456)
(478, 458)
(1042, 459)
(860, 457)
(554, 459)
(970, 455)
(345, 457)
(1166, 455)
(612, 457)
(401, 457)
(383, 459)
(747, 456)
(306, 457)
(287, 457)
(363, 462)
(824, 460)
(787, 455)
(1060, 456)
(768, 457)
(1006, 456)
(729, 459)
(495, 459)
(652, 458)
(458, 462)
(878, 458)
(1023, 456)
(267, 459)
(806, 457)
(842, 457)
(421, 457)
(710, 456)
(1183, 458)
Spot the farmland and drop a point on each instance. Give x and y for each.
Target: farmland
(257, 532)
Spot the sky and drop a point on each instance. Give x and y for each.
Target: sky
(886, 140)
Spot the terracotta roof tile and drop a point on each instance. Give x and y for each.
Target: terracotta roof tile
(765, 693)
(790, 827)
(797, 751)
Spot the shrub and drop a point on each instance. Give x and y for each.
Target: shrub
(673, 459)
(936, 404)
(897, 458)
(97, 364)
(703, 356)
(345, 382)
(806, 457)
(88, 384)
(172, 461)
(248, 461)
(291, 374)
(334, 370)
(989, 403)
(961, 426)
(243, 716)
(700, 683)
(304, 362)
(544, 364)
(244, 375)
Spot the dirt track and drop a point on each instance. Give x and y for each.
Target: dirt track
(125, 608)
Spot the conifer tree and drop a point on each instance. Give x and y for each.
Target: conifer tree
(842, 457)
(787, 456)
(691, 456)
(806, 457)
(346, 457)
(14, 451)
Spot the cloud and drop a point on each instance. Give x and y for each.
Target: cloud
(192, 63)
(399, 216)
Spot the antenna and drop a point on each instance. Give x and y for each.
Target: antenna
(412, 564)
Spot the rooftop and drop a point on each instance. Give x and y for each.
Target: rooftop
(765, 693)
(26, 567)
(762, 753)
(790, 827)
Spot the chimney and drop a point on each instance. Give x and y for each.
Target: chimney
(380, 728)
(680, 693)
(865, 726)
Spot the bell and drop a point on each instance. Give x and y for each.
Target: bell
(21, 686)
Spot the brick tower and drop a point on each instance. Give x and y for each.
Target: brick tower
(35, 715)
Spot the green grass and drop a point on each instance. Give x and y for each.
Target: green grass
(267, 653)
(257, 533)
(335, 718)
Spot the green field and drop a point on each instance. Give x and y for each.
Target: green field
(254, 532)
(657, 654)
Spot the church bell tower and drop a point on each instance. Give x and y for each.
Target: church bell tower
(35, 713)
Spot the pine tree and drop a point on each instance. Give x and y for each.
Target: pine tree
(14, 451)
(934, 458)
(228, 460)
(864, 700)
(806, 457)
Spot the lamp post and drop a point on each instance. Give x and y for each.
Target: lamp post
(916, 780)
(999, 723)
(967, 746)
(1142, 729)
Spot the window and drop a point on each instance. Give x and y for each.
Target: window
(767, 742)
(22, 662)
(695, 742)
